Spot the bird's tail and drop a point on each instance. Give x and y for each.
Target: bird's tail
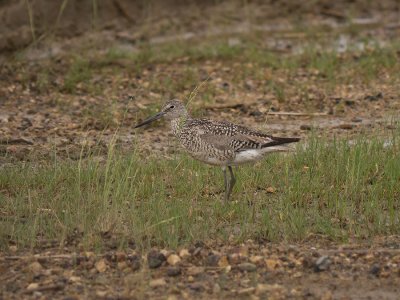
(278, 141)
(281, 148)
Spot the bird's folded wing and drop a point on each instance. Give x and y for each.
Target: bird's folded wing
(228, 136)
(220, 142)
(238, 142)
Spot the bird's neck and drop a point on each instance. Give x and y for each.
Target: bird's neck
(178, 123)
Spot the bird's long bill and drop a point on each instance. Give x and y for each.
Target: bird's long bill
(150, 119)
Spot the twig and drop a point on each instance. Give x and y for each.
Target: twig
(288, 113)
(393, 26)
(55, 256)
(44, 257)
(162, 222)
(123, 12)
(195, 91)
(224, 106)
(276, 113)
(333, 13)
(31, 22)
(15, 141)
(361, 251)
(45, 288)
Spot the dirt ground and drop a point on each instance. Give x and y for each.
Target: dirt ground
(313, 269)
(40, 117)
(37, 122)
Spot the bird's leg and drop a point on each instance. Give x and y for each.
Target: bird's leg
(231, 182)
(226, 184)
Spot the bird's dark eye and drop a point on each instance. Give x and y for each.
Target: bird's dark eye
(172, 106)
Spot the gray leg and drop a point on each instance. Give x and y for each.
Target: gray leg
(226, 184)
(231, 182)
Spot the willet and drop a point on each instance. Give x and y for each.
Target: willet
(218, 143)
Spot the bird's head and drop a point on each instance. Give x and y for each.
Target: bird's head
(172, 109)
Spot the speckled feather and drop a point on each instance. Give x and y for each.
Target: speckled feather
(218, 143)
(215, 142)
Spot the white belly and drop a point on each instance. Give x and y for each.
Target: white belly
(242, 157)
(253, 155)
(211, 160)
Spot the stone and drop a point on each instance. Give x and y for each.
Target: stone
(101, 293)
(196, 286)
(74, 279)
(322, 263)
(212, 260)
(122, 265)
(174, 271)
(246, 291)
(247, 267)
(305, 127)
(155, 283)
(194, 271)
(223, 262)
(120, 256)
(216, 288)
(346, 126)
(101, 266)
(155, 259)
(173, 259)
(271, 263)
(356, 120)
(32, 286)
(184, 253)
(271, 190)
(375, 269)
(36, 268)
(134, 262)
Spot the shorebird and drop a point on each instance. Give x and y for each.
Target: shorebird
(218, 143)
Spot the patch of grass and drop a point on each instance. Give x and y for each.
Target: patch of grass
(175, 83)
(31, 20)
(326, 62)
(331, 66)
(278, 89)
(115, 54)
(330, 188)
(103, 114)
(43, 81)
(79, 72)
(370, 64)
(249, 59)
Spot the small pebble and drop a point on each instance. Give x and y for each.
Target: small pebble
(212, 260)
(157, 282)
(375, 270)
(322, 263)
(173, 271)
(305, 127)
(247, 267)
(155, 259)
(356, 120)
(196, 286)
(173, 259)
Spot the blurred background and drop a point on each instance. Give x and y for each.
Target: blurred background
(27, 21)
(68, 67)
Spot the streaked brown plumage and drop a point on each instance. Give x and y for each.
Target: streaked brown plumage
(218, 143)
